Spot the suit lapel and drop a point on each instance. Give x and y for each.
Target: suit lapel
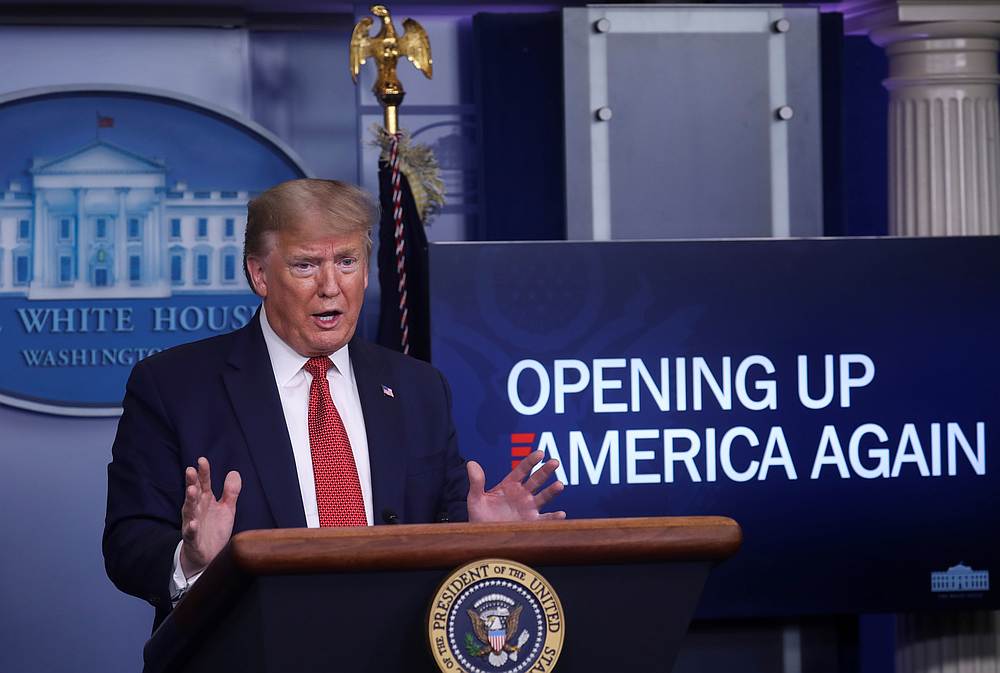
(384, 429)
(250, 383)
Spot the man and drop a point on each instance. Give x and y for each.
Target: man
(310, 425)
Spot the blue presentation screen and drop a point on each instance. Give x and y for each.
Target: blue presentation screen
(838, 398)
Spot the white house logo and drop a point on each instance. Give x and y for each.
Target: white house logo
(960, 578)
(108, 255)
(101, 222)
(495, 616)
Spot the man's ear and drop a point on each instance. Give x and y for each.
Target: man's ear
(257, 274)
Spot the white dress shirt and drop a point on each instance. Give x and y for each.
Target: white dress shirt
(293, 384)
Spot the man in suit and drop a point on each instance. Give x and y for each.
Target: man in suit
(311, 425)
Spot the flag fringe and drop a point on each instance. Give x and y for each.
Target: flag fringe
(418, 164)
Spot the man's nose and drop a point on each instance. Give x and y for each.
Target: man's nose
(329, 281)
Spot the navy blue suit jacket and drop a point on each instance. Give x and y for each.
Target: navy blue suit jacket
(217, 398)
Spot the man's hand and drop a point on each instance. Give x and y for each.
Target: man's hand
(206, 523)
(514, 499)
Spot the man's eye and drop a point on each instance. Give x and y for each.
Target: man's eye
(348, 262)
(301, 266)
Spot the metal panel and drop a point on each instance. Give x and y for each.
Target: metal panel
(805, 132)
(207, 64)
(690, 143)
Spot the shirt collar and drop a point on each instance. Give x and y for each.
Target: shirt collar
(286, 363)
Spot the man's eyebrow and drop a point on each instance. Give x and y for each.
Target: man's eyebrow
(303, 257)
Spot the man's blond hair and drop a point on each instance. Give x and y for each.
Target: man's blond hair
(344, 209)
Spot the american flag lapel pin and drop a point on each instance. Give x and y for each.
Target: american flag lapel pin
(387, 391)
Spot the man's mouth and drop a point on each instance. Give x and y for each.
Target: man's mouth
(327, 318)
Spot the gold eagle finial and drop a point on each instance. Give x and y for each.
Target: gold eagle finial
(386, 47)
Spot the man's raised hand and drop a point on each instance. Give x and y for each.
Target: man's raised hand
(206, 523)
(514, 498)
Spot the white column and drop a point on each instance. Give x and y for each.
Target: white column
(155, 242)
(944, 179)
(121, 241)
(50, 237)
(949, 642)
(155, 235)
(150, 242)
(145, 231)
(40, 243)
(81, 238)
(944, 123)
(162, 232)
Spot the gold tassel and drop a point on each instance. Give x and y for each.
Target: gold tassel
(418, 164)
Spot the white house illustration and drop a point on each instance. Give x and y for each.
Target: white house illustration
(100, 222)
(960, 578)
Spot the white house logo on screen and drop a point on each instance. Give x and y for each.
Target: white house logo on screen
(121, 234)
(959, 579)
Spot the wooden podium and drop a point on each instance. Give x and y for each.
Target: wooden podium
(357, 599)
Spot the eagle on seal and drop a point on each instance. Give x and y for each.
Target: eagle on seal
(495, 638)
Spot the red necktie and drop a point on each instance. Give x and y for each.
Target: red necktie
(338, 490)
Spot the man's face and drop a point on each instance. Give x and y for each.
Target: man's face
(313, 285)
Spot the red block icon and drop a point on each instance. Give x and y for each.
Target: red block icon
(521, 444)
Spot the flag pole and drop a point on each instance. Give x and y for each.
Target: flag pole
(385, 48)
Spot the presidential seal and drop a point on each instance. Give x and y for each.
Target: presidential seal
(495, 616)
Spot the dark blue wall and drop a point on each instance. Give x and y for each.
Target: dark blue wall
(865, 111)
(855, 119)
(519, 100)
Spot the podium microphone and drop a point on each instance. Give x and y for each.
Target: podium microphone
(389, 517)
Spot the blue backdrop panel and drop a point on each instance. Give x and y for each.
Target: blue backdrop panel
(837, 397)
